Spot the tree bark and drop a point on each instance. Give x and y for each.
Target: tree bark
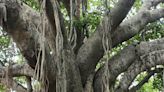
(26, 25)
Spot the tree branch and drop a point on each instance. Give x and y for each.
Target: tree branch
(142, 82)
(147, 4)
(25, 27)
(14, 85)
(134, 25)
(121, 62)
(146, 62)
(91, 52)
(117, 64)
(18, 70)
(22, 70)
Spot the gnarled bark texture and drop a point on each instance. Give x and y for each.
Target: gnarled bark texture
(26, 25)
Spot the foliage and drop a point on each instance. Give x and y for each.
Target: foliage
(2, 88)
(148, 86)
(91, 20)
(158, 81)
(32, 3)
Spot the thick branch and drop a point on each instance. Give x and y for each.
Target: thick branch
(146, 78)
(119, 12)
(14, 85)
(134, 25)
(128, 29)
(91, 52)
(151, 3)
(25, 27)
(146, 62)
(21, 21)
(18, 70)
(117, 64)
(121, 62)
(22, 70)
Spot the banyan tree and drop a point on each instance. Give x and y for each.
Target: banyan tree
(63, 57)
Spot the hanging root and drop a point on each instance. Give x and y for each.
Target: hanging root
(40, 68)
(29, 86)
(107, 45)
(3, 14)
(8, 79)
(72, 34)
(61, 83)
